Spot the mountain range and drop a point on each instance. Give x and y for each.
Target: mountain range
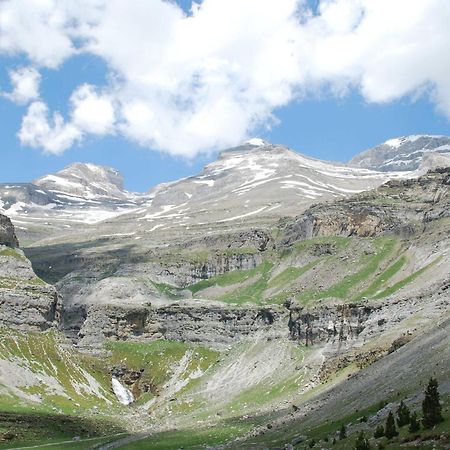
(253, 182)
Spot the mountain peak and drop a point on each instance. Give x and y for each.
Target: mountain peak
(404, 140)
(84, 179)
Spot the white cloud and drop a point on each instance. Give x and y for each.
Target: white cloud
(25, 83)
(92, 112)
(40, 29)
(188, 84)
(53, 136)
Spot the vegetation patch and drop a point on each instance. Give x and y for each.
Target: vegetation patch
(336, 242)
(226, 279)
(72, 383)
(369, 263)
(402, 283)
(10, 252)
(254, 292)
(192, 439)
(20, 430)
(383, 278)
(159, 360)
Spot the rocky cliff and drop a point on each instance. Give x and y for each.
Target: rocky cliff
(397, 207)
(26, 301)
(7, 235)
(207, 323)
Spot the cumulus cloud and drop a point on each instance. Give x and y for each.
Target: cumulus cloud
(52, 135)
(92, 112)
(186, 84)
(25, 83)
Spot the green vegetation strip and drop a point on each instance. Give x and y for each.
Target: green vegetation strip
(254, 292)
(226, 279)
(15, 282)
(10, 252)
(291, 274)
(370, 263)
(402, 283)
(383, 278)
(158, 358)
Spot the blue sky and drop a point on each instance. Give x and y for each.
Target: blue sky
(333, 127)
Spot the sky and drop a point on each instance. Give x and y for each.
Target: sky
(156, 88)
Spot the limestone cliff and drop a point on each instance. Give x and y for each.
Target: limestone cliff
(26, 301)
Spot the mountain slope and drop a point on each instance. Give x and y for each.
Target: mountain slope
(263, 181)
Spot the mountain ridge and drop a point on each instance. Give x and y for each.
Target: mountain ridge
(404, 153)
(256, 182)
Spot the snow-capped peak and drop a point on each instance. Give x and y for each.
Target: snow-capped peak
(84, 180)
(403, 153)
(256, 142)
(399, 141)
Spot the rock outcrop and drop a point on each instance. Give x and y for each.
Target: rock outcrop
(7, 235)
(26, 302)
(397, 207)
(209, 323)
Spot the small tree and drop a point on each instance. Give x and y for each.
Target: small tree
(379, 432)
(390, 430)
(403, 415)
(361, 442)
(431, 406)
(342, 432)
(414, 424)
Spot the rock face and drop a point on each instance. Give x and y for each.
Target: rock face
(396, 207)
(192, 322)
(7, 234)
(84, 180)
(26, 302)
(405, 153)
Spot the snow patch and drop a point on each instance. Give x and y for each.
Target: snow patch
(243, 215)
(207, 182)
